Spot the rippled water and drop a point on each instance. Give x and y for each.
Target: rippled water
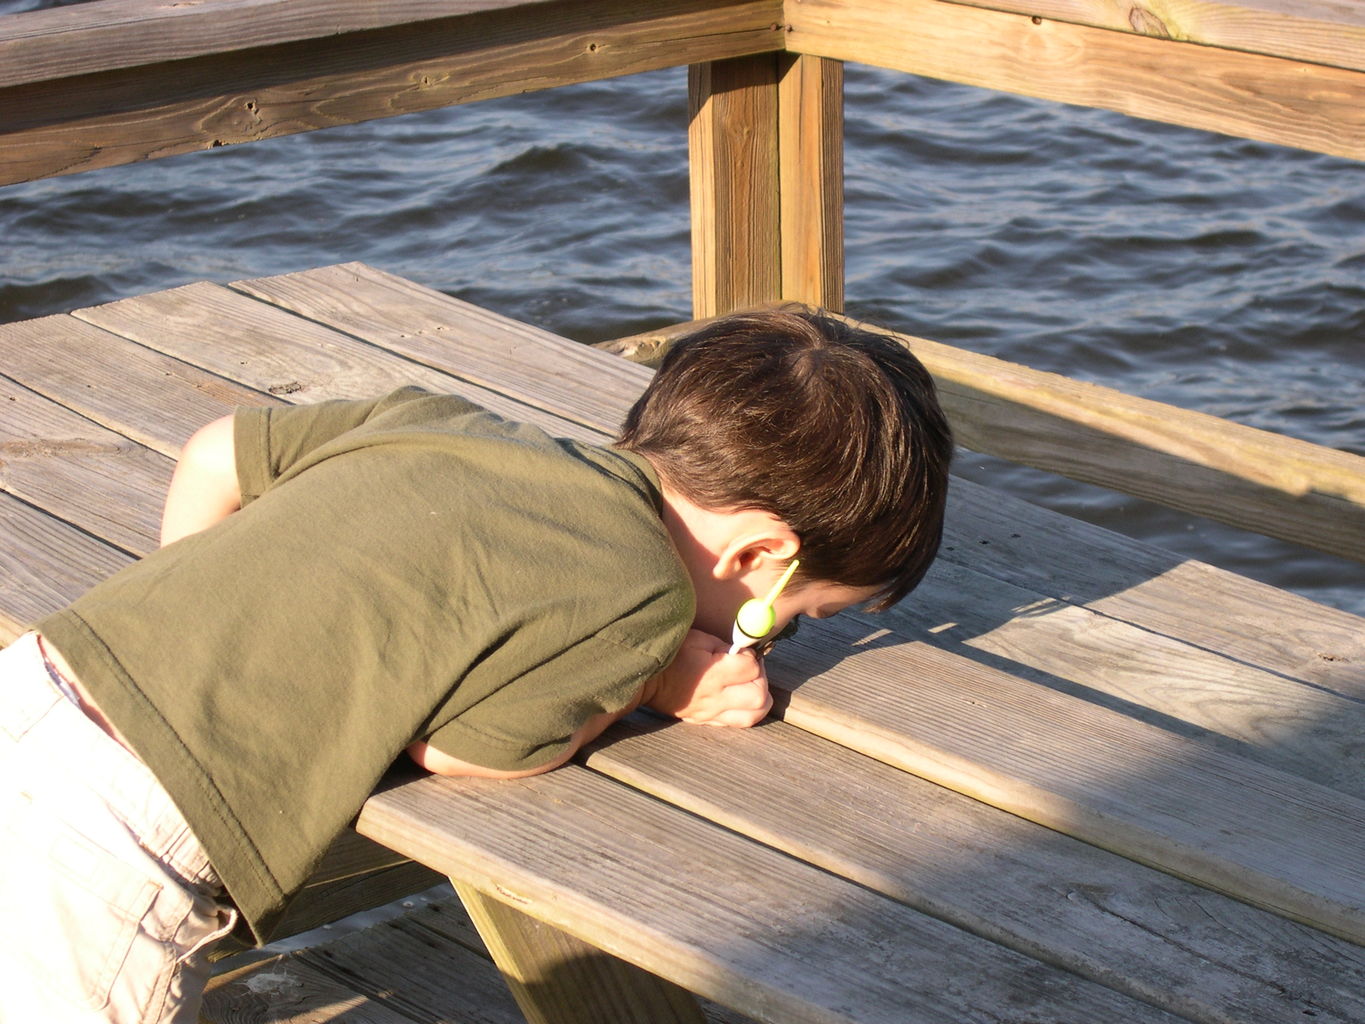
(1212, 273)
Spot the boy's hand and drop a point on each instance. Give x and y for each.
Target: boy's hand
(706, 685)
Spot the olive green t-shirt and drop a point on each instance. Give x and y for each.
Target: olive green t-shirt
(410, 567)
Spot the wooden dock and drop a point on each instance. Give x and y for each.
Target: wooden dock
(1051, 776)
(1073, 778)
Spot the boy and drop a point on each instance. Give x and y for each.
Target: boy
(343, 582)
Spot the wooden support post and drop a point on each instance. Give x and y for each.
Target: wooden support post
(766, 147)
(810, 134)
(558, 979)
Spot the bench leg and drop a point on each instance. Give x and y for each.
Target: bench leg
(558, 979)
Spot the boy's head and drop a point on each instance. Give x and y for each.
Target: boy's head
(834, 429)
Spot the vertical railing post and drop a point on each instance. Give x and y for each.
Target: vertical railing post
(810, 135)
(766, 153)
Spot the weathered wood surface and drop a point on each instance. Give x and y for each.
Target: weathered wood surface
(287, 990)
(428, 965)
(1330, 32)
(810, 149)
(1146, 933)
(1269, 838)
(1054, 566)
(131, 33)
(733, 156)
(1268, 98)
(1106, 693)
(703, 908)
(765, 137)
(44, 562)
(158, 79)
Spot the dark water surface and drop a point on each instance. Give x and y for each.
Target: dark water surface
(1208, 272)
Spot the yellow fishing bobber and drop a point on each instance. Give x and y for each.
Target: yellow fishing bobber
(757, 616)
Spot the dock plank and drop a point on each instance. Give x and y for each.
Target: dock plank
(1031, 600)
(287, 990)
(1207, 957)
(285, 355)
(44, 564)
(419, 973)
(420, 323)
(216, 327)
(1055, 556)
(80, 471)
(129, 388)
(1243, 709)
(279, 351)
(702, 907)
(1228, 823)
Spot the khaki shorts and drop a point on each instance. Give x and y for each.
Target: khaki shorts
(108, 906)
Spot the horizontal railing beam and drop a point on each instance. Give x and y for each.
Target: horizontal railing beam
(1315, 31)
(1249, 95)
(289, 80)
(64, 42)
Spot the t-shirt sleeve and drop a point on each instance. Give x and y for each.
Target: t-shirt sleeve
(530, 720)
(272, 439)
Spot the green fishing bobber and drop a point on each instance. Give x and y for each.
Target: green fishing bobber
(757, 617)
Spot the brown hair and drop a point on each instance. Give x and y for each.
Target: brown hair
(833, 428)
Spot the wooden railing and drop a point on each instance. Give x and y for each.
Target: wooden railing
(123, 80)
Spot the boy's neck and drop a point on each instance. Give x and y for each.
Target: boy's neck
(730, 556)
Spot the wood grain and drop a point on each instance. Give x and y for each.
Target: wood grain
(1270, 717)
(59, 42)
(1328, 32)
(77, 470)
(1228, 823)
(733, 167)
(192, 103)
(1270, 99)
(530, 365)
(721, 916)
(1195, 953)
(448, 919)
(151, 398)
(44, 564)
(810, 140)
(281, 357)
(288, 990)
(421, 972)
(1057, 557)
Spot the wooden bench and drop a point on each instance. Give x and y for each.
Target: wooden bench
(1072, 778)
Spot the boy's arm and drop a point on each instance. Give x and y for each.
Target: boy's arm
(204, 486)
(704, 685)
(440, 763)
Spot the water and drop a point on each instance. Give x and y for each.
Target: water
(1212, 273)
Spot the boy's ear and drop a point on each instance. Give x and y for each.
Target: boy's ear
(772, 544)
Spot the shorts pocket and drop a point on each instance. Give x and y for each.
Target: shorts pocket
(78, 909)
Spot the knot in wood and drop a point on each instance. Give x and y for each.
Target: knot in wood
(1147, 23)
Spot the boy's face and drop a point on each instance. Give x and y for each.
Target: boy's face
(818, 599)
